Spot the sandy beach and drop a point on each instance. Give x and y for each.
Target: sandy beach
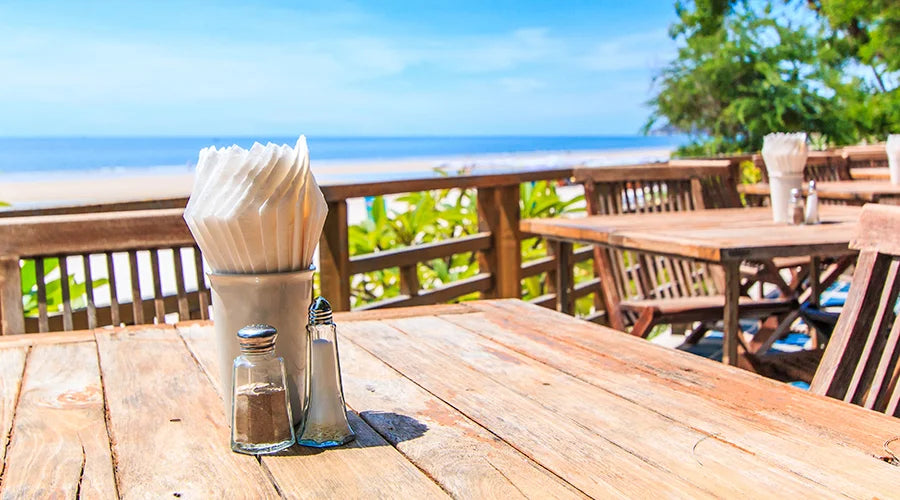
(66, 188)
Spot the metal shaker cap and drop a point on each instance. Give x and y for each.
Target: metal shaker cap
(257, 338)
(812, 185)
(795, 194)
(320, 312)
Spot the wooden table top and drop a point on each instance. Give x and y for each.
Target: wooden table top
(857, 190)
(871, 173)
(487, 399)
(710, 235)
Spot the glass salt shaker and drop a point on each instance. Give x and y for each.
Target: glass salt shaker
(326, 417)
(812, 204)
(795, 207)
(260, 409)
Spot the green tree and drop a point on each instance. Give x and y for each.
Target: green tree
(746, 68)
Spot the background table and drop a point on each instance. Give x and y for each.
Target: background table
(724, 236)
(856, 192)
(487, 399)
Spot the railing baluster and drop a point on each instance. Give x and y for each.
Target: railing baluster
(202, 290)
(65, 292)
(137, 302)
(89, 291)
(116, 320)
(159, 305)
(184, 312)
(43, 323)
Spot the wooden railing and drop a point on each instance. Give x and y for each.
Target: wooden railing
(129, 227)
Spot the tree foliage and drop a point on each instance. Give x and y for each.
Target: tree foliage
(748, 68)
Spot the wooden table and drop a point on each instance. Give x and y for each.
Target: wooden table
(856, 192)
(494, 399)
(725, 237)
(871, 173)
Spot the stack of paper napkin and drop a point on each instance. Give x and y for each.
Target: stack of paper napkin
(256, 211)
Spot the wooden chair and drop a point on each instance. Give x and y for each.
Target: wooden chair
(112, 245)
(643, 290)
(861, 364)
(869, 156)
(820, 166)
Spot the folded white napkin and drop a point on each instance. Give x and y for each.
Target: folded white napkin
(258, 210)
(785, 154)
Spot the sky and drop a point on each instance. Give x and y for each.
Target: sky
(340, 68)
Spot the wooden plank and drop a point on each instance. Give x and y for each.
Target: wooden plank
(12, 366)
(778, 423)
(404, 312)
(577, 454)
(180, 448)
(59, 445)
(782, 424)
(624, 423)
(564, 277)
(12, 315)
(335, 191)
(538, 266)
(90, 232)
(650, 172)
(368, 467)
(28, 339)
(418, 253)
(334, 257)
(879, 229)
(463, 457)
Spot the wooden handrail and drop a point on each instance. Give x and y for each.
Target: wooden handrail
(419, 253)
(23, 237)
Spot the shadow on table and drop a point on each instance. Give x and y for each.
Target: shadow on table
(372, 428)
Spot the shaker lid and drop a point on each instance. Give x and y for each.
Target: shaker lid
(257, 338)
(320, 312)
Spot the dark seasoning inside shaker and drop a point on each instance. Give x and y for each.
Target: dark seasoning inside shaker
(261, 413)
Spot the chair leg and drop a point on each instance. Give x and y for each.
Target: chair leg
(645, 322)
(697, 334)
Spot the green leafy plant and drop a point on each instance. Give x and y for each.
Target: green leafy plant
(431, 216)
(53, 287)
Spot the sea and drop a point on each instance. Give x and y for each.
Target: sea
(36, 157)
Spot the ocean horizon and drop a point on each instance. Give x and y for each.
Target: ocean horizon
(28, 156)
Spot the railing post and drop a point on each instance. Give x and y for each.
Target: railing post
(334, 257)
(12, 315)
(498, 212)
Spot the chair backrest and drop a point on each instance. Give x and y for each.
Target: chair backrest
(821, 166)
(869, 156)
(677, 186)
(860, 364)
(69, 272)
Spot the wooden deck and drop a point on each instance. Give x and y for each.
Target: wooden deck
(487, 399)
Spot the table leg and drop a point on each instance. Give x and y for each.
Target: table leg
(564, 276)
(732, 298)
(815, 282)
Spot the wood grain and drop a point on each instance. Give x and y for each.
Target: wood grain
(368, 467)
(169, 432)
(12, 364)
(59, 445)
(591, 464)
(465, 458)
(622, 423)
(778, 423)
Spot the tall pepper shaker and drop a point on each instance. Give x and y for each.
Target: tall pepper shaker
(326, 419)
(812, 204)
(260, 408)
